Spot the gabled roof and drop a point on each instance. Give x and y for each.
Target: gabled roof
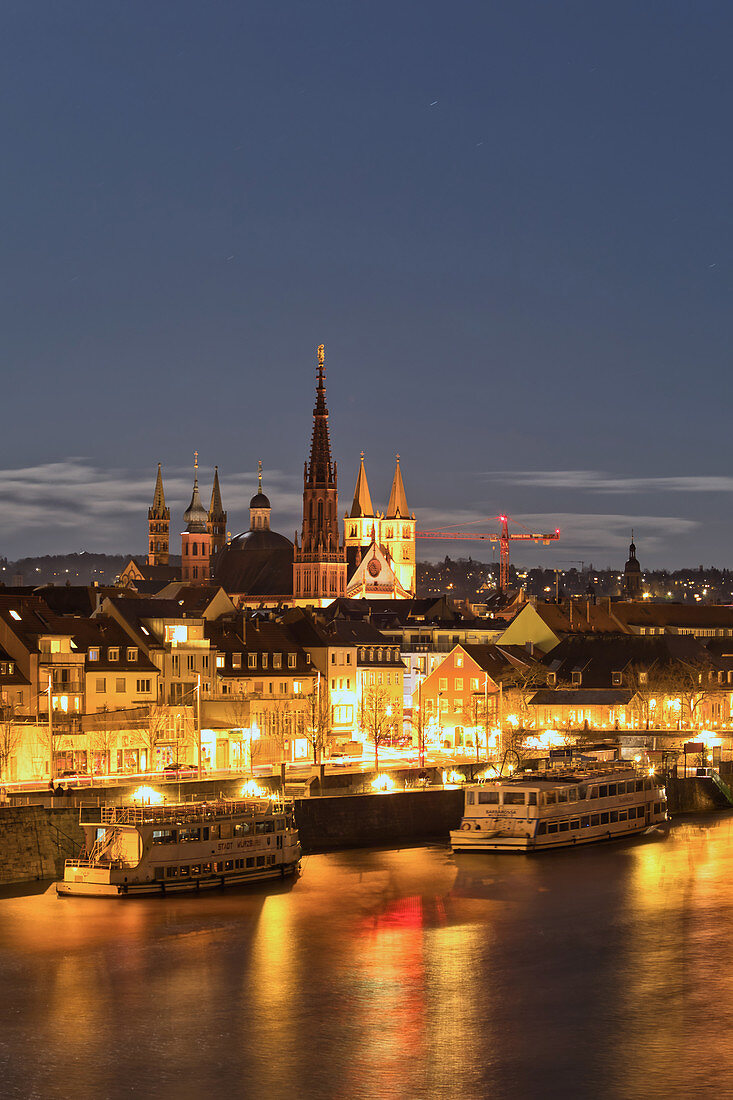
(696, 616)
(597, 657)
(374, 575)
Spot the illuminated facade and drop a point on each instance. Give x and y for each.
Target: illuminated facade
(380, 547)
(196, 539)
(159, 522)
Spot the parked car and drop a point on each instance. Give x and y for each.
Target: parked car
(180, 770)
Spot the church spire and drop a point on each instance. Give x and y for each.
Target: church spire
(320, 471)
(362, 505)
(397, 506)
(217, 521)
(159, 496)
(159, 518)
(195, 517)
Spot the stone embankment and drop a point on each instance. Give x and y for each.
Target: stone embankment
(35, 841)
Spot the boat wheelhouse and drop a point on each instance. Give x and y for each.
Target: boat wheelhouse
(533, 811)
(132, 850)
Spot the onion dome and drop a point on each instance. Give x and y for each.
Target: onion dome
(196, 517)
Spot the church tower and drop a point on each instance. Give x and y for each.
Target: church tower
(361, 526)
(632, 574)
(398, 533)
(195, 540)
(319, 561)
(217, 521)
(259, 507)
(159, 522)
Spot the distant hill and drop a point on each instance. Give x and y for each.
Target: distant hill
(59, 568)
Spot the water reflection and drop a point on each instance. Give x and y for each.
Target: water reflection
(387, 973)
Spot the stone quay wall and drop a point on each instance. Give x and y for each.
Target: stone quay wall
(35, 841)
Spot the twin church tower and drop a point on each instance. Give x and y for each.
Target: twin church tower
(375, 557)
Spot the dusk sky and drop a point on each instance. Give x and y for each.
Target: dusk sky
(509, 223)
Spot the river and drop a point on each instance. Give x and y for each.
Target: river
(599, 972)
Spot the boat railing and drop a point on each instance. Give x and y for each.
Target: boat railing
(180, 812)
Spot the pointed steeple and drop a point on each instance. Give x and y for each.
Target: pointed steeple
(362, 505)
(195, 517)
(159, 509)
(397, 498)
(320, 470)
(216, 508)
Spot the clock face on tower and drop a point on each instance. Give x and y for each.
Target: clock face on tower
(374, 568)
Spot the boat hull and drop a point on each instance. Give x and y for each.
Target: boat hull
(463, 841)
(157, 887)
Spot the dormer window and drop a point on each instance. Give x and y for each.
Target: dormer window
(113, 653)
(576, 678)
(132, 653)
(643, 677)
(237, 659)
(552, 679)
(15, 615)
(264, 660)
(292, 660)
(220, 660)
(277, 660)
(251, 660)
(616, 679)
(93, 654)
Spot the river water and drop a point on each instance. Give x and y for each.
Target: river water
(599, 972)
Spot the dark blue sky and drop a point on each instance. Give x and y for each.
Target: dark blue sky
(510, 224)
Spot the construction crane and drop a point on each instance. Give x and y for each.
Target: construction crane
(502, 537)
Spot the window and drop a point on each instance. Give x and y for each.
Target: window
(584, 822)
(595, 819)
(132, 653)
(593, 792)
(292, 660)
(264, 660)
(491, 797)
(120, 684)
(442, 685)
(333, 658)
(575, 823)
(459, 661)
(191, 662)
(604, 819)
(643, 677)
(348, 658)
(143, 687)
(541, 828)
(458, 684)
(93, 654)
(552, 827)
(603, 791)
(16, 616)
(474, 685)
(113, 654)
(251, 660)
(283, 688)
(564, 826)
(614, 815)
(576, 678)
(552, 679)
(616, 679)
(101, 684)
(550, 798)
(277, 660)
(532, 798)
(220, 660)
(513, 798)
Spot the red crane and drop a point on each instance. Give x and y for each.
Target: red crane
(502, 537)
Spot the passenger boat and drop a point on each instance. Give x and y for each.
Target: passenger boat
(534, 811)
(132, 850)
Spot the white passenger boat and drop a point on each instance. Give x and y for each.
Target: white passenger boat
(132, 850)
(538, 810)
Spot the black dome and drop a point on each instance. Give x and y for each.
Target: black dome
(256, 563)
(259, 500)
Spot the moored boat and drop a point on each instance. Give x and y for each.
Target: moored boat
(533, 811)
(134, 850)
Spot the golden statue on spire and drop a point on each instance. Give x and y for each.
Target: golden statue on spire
(321, 355)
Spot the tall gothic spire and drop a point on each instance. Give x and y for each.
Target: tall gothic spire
(159, 509)
(216, 508)
(362, 505)
(320, 471)
(397, 498)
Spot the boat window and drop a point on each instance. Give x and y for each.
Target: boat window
(658, 808)
(251, 861)
(562, 796)
(196, 869)
(614, 815)
(593, 792)
(612, 788)
(564, 826)
(488, 796)
(260, 861)
(630, 786)
(183, 872)
(241, 828)
(189, 834)
(604, 819)
(171, 872)
(513, 798)
(238, 863)
(164, 836)
(159, 872)
(270, 859)
(595, 819)
(575, 823)
(584, 822)
(603, 791)
(279, 824)
(265, 827)
(622, 815)
(639, 785)
(229, 865)
(220, 866)
(225, 830)
(532, 798)
(550, 798)
(552, 827)
(542, 828)
(205, 833)
(206, 868)
(469, 798)
(573, 794)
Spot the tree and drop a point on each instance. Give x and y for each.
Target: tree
(102, 738)
(10, 737)
(317, 725)
(376, 717)
(158, 725)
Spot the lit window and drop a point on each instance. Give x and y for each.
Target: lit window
(220, 660)
(252, 660)
(93, 654)
(459, 661)
(132, 653)
(15, 615)
(113, 654)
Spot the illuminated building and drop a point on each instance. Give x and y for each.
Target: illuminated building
(380, 548)
(196, 539)
(159, 521)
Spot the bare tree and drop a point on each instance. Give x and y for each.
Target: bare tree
(10, 737)
(317, 724)
(376, 716)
